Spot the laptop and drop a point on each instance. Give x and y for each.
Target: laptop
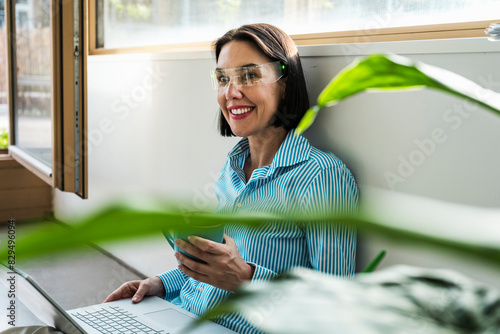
(152, 315)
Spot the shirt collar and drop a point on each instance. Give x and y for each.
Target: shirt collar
(239, 148)
(294, 149)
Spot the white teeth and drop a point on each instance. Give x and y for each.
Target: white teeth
(240, 111)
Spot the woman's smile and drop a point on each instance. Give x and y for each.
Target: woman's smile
(240, 112)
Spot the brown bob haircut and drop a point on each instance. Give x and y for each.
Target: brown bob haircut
(277, 45)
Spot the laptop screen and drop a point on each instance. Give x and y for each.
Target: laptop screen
(39, 302)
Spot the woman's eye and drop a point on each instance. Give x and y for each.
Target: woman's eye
(250, 78)
(222, 80)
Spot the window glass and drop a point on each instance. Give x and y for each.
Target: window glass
(33, 124)
(126, 23)
(4, 113)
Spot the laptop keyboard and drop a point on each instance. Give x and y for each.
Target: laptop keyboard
(114, 319)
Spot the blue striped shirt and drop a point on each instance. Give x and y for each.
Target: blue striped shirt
(300, 179)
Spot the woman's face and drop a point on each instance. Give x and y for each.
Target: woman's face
(248, 109)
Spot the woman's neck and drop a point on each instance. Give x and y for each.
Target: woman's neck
(263, 148)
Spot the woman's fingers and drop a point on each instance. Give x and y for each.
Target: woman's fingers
(126, 290)
(137, 290)
(197, 244)
(195, 274)
(224, 267)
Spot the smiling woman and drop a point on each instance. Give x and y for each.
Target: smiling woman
(262, 97)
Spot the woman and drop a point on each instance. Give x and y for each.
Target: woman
(262, 97)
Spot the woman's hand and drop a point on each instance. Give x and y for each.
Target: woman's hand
(224, 267)
(138, 289)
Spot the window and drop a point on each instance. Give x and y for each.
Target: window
(133, 23)
(44, 91)
(32, 81)
(4, 114)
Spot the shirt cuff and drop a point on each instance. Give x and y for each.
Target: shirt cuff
(173, 281)
(261, 273)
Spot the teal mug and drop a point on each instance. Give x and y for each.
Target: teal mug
(214, 233)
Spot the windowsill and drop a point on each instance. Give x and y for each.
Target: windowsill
(24, 195)
(452, 45)
(38, 168)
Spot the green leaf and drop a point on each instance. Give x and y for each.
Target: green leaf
(115, 223)
(308, 119)
(374, 72)
(392, 72)
(375, 262)
(398, 216)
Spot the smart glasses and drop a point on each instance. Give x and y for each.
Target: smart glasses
(248, 75)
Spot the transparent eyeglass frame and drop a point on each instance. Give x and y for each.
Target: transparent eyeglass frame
(246, 76)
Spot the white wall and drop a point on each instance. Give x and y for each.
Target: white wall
(152, 133)
(375, 132)
(163, 141)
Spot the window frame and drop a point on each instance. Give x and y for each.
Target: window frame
(69, 169)
(410, 33)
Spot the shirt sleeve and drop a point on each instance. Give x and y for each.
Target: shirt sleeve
(261, 273)
(332, 245)
(173, 281)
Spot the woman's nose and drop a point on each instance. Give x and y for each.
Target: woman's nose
(233, 91)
